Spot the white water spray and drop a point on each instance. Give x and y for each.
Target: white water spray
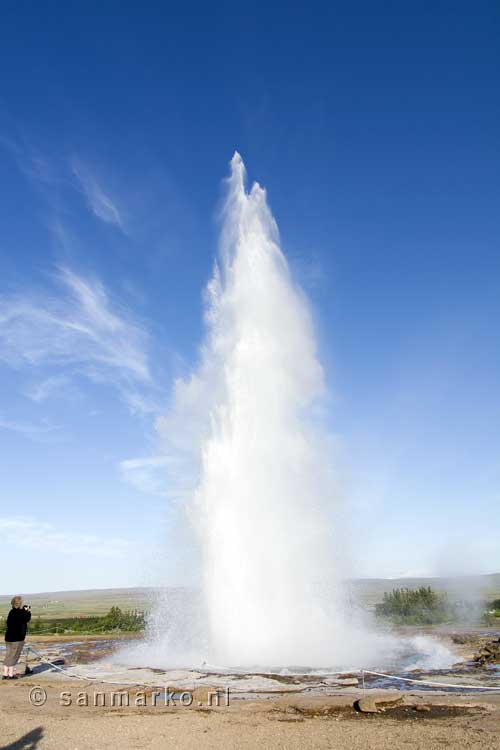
(264, 497)
(263, 501)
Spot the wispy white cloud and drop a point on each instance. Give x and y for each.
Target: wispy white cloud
(80, 326)
(100, 202)
(140, 402)
(38, 535)
(48, 387)
(35, 166)
(42, 432)
(146, 474)
(50, 174)
(167, 476)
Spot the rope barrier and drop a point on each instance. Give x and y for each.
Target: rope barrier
(89, 679)
(430, 683)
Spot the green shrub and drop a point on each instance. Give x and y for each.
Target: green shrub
(421, 606)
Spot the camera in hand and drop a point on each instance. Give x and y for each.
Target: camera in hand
(26, 606)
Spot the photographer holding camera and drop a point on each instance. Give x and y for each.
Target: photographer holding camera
(17, 625)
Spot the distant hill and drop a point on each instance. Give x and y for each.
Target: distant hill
(368, 590)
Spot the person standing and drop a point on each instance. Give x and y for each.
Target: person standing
(17, 626)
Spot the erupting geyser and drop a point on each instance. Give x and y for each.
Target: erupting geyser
(248, 428)
(264, 497)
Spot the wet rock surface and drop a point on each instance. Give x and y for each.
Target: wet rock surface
(95, 658)
(489, 653)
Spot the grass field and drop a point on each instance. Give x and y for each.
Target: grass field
(92, 603)
(98, 602)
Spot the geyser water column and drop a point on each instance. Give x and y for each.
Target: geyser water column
(264, 502)
(251, 460)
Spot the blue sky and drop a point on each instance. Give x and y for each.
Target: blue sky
(374, 128)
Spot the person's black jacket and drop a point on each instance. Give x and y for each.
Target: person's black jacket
(17, 624)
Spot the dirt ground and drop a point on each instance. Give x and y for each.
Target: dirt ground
(295, 721)
(423, 720)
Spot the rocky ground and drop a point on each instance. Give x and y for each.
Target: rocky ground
(51, 711)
